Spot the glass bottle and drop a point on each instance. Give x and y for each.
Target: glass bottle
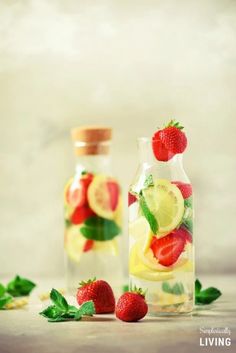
(92, 211)
(161, 252)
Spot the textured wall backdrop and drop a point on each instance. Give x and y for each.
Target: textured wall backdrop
(129, 64)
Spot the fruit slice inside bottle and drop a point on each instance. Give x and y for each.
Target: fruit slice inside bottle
(103, 196)
(166, 203)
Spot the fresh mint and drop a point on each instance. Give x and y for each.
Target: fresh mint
(188, 202)
(176, 289)
(205, 296)
(20, 286)
(188, 223)
(2, 290)
(5, 299)
(148, 181)
(100, 229)
(148, 214)
(62, 311)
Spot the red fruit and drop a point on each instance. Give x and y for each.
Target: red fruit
(80, 214)
(186, 189)
(76, 196)
(114, 191)
(159, 150)
(173, 139)
(88, 245)
(131, 306)
(184, 234)
(100, 293)
(168, 248)
(131, 199)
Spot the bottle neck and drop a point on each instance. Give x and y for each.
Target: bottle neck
(172, 169)
(98, 164)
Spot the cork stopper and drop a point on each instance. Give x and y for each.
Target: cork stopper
(91, 140)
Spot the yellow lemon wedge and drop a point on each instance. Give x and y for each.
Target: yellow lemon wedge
(166, 203)
(74, 243)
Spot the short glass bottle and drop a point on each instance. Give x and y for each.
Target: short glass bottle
(92, 211)
(161, 206)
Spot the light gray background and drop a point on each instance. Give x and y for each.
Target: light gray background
(129, 64)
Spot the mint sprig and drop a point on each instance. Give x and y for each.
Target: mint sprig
(17, 287)
(20, 286)
(205, 296)
(100, 229)
(60, 310)
(176, 289)
(148, 214)
(148, 181)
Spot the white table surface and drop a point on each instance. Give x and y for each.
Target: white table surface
(23, 330)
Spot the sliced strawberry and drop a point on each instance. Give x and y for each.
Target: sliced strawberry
(80, 214)
(183, 233)
(159, 150)
(131, 199)
(114, 191)
(88, 245)
(76, 197)
(167, 249)
(186, 189)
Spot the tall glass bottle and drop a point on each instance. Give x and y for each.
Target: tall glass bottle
(92, 211)
(161, 257)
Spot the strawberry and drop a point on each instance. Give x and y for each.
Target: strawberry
(114, 191)
(99, 292)
(88, 245)
(173, 138)
(131, 306)
(131, 199)
(77, 196)
(80, 214)
(186, 189)
(184, 234)
(168, 248)
(159, 150)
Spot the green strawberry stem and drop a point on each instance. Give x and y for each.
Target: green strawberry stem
(174, 124)
(139, 291)
(89, 281)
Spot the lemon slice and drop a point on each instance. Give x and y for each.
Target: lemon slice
(138, 268)
(165, 299)
(74, 243)
(99, 198)
(166, 203)
(107, 247)
(118, 213)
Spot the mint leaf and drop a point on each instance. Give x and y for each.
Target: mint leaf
(58, 300)
(87, 309)
(198, 286)
(188, 223)
(2, 290)
(205, 296)
(148, 181)
(166, 287)
(101, 229)
(20, 286)
(62, 311)
(51, 312)
(176, 289)
(148, 214)
(188, 202)
(5, 299)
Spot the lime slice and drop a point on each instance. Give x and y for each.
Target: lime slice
(166, 203)
(74, 243)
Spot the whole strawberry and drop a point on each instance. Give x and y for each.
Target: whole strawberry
(99, 292)
(169, 141)
(132, 306)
